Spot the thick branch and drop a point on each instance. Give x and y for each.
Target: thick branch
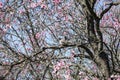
(91, 9)
(71, 45)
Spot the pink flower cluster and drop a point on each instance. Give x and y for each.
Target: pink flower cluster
(110, 20)
(56, 1)
(58, 66)
(39, 34)
(61, 65)
(39, 3)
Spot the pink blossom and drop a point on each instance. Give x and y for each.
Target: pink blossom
(68, 71)
(67, 77)
(56, 1)
(86, 78)
(72, 56)
(95, 78)
(2, 14)
(43, 6)
(66, 18)
(1, 4)
(106, 17)
(21, 11)
(62, 63)
(8, 25)
(7, 20)
(118, 78)
(37, 35)
(29, 49)
(58, 66)
(65, 33)
(81, 73)
(33, 5)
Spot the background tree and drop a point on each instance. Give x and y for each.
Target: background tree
(59, 39)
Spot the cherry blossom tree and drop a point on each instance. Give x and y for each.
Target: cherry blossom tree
(59, 39)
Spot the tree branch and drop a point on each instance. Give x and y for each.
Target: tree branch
(69, 45)
(107, 9)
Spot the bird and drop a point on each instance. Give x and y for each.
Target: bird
(63, 41)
